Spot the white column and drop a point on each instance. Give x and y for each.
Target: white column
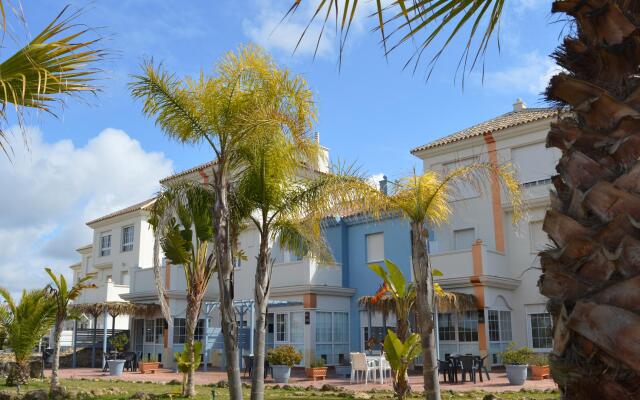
(252, 325)
(104, 337)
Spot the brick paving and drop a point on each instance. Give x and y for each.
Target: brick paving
(498, 382)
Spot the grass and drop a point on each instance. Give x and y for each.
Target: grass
(115, 389)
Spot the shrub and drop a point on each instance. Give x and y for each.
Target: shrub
(515, 356)
(119, 342)
(539, 359)
(284, 355)
(318, 363)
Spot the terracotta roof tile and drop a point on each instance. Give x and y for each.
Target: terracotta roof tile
(143, 205)
(188, 171)
(504, 121)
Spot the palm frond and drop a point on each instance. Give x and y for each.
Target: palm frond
(401, 21)
(58, 62)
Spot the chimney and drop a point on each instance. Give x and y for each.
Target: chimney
(316, 136)
(383, 184)
(519, 105)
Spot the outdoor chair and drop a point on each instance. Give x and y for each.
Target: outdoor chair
(248, 364)
(468, 367)
(359, 364)
(385, 367)
(446, 369)
(131, 360)
(480, 366)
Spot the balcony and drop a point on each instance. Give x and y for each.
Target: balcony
(306, 272)
(143, 283)
(104, 292)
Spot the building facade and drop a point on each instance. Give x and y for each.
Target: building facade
(315, 307)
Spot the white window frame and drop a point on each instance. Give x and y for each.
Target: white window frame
(332, 342)
(454, 320)
(530, 333)
(128, 246)
(366, 242)
(105, 251)
(469, 228)
(286, 328)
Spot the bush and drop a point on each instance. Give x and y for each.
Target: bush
(539, 359)
(318, 363)
(515, 356)
(284, 355)
(119, 342)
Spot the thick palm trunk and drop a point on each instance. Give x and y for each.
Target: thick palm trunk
(55, 364)
(425, 301)
(261, 289)
(221, 227)
(592, 276)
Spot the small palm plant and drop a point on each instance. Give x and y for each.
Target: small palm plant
(62, 296)
(400, 354)
(187, 361)
(26, 323)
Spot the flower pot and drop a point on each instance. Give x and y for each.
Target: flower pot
(316, 373)
(116, 367)
(281, 373)
(149, 366)
(539, 372)
(516, 374)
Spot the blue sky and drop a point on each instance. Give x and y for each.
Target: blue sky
(371, 111)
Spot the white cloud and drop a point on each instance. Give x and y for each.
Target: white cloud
(531, 75)
(52, 189)
(374, 180)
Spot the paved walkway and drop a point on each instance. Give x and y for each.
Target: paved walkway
(498, 382)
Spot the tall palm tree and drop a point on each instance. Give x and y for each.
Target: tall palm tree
(26, 323)
(283, 193)
(246, 95)
(590, 273)
(58, 62)
(182, 215)
(62, 295)
(425, 200)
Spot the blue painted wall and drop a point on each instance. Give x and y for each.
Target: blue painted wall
(347, 240)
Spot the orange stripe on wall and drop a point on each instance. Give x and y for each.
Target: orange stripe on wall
(205, 178)
(478, 289)
(167, 276)
(496, 203)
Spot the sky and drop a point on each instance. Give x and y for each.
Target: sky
(99, 153)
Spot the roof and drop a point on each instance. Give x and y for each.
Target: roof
(86, 246)
(188, 171)
(143, 205)
(504, 121)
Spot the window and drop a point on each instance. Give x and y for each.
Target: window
(237, 262)
(468, 326)
(297, 328)
(499, 326)
(124, 278)
(180, 330)
(281, 328)
(148, 331)
(160, 326)
(88, 266)
(323, 327)
(541, 330)
(464, 238)
(332, 336)
(375, 247)
(127, 238)
(534, 162)
(105, 244)
(446, 327)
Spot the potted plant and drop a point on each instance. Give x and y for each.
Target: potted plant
(118, 343)
(317, 369)
(539, 366)
(281, 359)
(150, 365)
(516, 363)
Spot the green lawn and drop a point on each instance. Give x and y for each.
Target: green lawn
(124, 390)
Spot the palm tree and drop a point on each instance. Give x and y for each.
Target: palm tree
(247, 96)
(57, 62)
(182, 216)
(26, 323)
(62, 296)
(283, 193)
(590, 272)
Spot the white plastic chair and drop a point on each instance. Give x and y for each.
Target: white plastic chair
(384, 368)
(359, 364)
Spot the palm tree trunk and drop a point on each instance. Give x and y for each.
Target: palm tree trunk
(424, 304)
(221, 221)
(193, 312)
(262, 280)
(591, 276)
(55, 364)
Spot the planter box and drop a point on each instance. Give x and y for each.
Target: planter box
(281, 373)
(116, 367)
(539, 372)
(516, 374)
(317, 373)
(149, 366)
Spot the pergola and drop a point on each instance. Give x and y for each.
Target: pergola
(242, 307)
(113, 309)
